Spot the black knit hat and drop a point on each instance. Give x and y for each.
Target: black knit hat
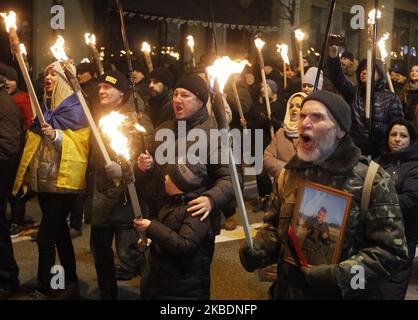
(162, 75)
(86, 67)
(115, 79)
(187, 177)
(336, 105)
(348, 55)
(9, 72)
(196, 85)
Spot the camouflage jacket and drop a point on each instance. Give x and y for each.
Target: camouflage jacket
(373, 241)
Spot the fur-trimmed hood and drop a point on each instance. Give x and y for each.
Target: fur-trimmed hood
(341, 161)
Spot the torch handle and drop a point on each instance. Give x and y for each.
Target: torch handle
(284, 75)
(238, 101)
(96, 56)
(302, 70)
(369, 84)
(36, 108)
(148, 61)
(266, 97)
(390, 82)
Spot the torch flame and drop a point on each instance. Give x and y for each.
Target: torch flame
(382, 46)
(222, 69)
(190, 42)
(139, 128)
(23, 49)
(90, 39)
(299, 35)
(58, 49)
(283, 49)
(9, 20)
(85, 60)
(259, 43)
(146, 47)
(110, 126)
(372, 14)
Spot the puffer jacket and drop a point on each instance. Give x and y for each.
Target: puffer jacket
(181, 252)
(403, 168)
(386, 109)
(374, 240)
(219, 185)
(108, 204)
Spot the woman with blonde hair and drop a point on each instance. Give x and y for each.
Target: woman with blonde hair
(53, 165)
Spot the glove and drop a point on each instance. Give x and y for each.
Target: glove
(321, 278)
(113, 170)
(251, 259)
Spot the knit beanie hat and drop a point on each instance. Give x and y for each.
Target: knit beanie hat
(310, 77)
(187, 177)
(273, 86)
(336, 105)
(196, 85)
(115, 79)
(162, 75)
(11, 74)
(348, 55)
(86, 67)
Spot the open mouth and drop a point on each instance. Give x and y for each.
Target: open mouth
(306, 141)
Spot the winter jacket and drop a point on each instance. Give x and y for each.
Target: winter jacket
(11, 127)
(278, 153)
(374, 240)
(108, 204)
(161, 108)
(257, 119)
(181, 252)
(57, 166)
(219, 185)
(386, 109)
(23, 104)
(409, 97)
(403, 168)
(11, 134)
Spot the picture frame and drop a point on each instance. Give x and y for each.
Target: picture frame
(318, 224)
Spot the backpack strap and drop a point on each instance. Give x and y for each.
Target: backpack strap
(367, 187)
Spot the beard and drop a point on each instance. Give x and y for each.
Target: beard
(320, 149)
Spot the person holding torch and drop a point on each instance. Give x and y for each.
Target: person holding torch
(54, 164)
(387, 106)
(108, 205)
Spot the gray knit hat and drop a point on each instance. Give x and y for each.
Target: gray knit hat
(187, 177)
(336, 105)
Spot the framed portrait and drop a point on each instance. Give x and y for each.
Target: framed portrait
(317, 228)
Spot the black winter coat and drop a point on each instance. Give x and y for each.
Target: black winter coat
(106, 203)
(181, 253)
(403, 168)
(161, 109)
(218, 183)
(386, 109)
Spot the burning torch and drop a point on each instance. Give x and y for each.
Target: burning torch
(19, 51)
(383, 55)
(373, 15)
(218, 74)
(190, 43)
(283, 50)
(259, 45)
(146, 49)
(299, 35)
(91, 43)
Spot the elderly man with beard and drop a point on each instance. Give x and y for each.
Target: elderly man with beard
(374, 239)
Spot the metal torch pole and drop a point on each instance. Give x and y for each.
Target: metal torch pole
(14, 44)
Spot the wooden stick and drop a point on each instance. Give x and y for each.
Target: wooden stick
(238, 102)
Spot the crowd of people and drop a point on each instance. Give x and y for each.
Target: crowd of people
(320, 134)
